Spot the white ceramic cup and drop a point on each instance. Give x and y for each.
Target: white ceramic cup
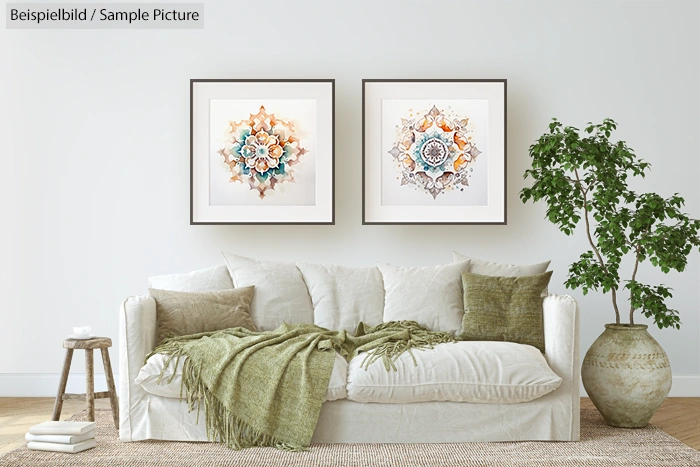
(82, 331)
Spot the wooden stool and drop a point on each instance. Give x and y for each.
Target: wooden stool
(102, 343)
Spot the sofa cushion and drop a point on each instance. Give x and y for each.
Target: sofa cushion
(280, 292)
(479, 372)
(504, 308)
(490, 268)
(431, 296)
(202, 280)
(150, 372)
(183, 313)
(343, 296)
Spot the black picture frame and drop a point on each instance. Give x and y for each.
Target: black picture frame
(365, 221)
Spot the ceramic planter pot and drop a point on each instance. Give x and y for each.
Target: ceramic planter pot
(627, 375)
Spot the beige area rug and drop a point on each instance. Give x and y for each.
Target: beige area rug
(600, 445)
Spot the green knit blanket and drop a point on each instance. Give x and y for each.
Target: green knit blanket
(266, 388)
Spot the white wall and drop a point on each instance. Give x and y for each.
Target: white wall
(94, 174)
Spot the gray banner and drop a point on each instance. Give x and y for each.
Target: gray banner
(105, 16)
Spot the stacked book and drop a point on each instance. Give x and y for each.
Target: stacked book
(62, 436)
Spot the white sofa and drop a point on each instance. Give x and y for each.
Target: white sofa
(398, 407)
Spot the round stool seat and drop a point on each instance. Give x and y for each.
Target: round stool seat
(93, 343)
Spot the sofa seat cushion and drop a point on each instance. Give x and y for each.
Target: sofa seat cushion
(475, 371)
(150, 372)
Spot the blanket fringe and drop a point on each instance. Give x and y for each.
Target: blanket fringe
(418, 338)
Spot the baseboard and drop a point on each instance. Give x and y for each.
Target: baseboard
(682, 386)
(46, 384)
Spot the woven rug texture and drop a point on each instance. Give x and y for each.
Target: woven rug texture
(600, 445)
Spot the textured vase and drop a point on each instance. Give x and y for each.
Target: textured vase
(627, 375)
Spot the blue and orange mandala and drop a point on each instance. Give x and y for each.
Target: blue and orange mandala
(261, 151)
(433, 152)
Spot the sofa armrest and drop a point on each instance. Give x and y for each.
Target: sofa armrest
(137, 337)
(561, 335)
(561, 345)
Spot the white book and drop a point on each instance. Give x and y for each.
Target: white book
(61, 439)
(62, 428)
(73, 448)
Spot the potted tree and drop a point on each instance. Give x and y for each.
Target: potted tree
(582, 176)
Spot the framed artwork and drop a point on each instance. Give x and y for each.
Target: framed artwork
(434, 151)
(262, 151)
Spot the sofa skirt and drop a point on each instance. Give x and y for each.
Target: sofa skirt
(548, 418)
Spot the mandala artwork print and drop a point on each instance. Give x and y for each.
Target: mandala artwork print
(434, 151)
(261, 151)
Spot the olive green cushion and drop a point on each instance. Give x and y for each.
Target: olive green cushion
(504, 308)
(185, 313)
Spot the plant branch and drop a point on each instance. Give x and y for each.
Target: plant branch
(634, 275)
(593, 245)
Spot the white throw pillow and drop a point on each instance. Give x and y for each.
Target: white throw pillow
(150, 373)
(280, 292)
(489, 268)
(211, 279)
(472, 371)
(431, 296)
(343, 296)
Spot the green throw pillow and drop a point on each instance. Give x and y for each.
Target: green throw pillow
(504, 308)
(184, 313)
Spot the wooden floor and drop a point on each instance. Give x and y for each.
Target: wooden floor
(679, 417)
